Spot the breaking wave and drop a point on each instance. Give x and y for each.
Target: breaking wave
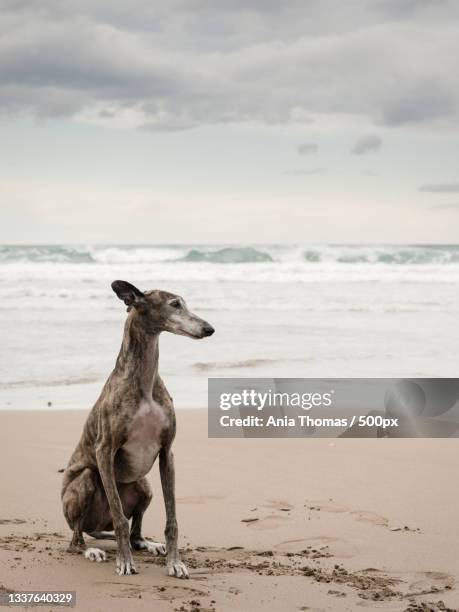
(244, 254)
(229, 255)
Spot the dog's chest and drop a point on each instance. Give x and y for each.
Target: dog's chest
(144, 440)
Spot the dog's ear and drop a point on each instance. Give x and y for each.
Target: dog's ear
(130, 295)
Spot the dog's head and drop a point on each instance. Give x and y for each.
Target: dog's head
(161, 311)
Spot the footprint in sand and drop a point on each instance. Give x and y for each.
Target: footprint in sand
(432, 582)
(175, 591)
(326, 506)
(291, 545)
(359, 515)
(272, 521)
(337, 547)
(198, 499)
(131, 589)
(362, 516)
(278, 504)
(370, 517)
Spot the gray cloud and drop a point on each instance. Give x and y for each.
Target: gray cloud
(411, 8)
(440, 188)
(180, 64)
(428, 99)
(367, 144)
(308, 148)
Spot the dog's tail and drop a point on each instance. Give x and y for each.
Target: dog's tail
(102, 535)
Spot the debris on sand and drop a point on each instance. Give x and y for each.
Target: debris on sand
(430, 606)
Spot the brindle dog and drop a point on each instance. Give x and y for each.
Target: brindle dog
(132, 422)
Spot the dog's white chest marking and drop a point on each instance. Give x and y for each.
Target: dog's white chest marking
(138, 453)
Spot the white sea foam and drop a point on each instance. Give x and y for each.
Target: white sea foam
(231, 254)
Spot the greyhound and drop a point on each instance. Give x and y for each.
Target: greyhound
(130, 425)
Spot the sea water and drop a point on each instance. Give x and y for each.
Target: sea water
(278, 311)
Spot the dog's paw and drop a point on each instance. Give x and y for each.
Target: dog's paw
(155, 548)
(125, 565)
(177, 569)
(95, 554)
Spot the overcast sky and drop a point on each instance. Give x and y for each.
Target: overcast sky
(229, 121)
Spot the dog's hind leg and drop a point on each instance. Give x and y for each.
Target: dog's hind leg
(77, 501)
(140, 493)
(102, 535)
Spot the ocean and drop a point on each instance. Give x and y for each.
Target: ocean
(278, 310)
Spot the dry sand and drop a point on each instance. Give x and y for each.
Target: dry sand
(264, 524)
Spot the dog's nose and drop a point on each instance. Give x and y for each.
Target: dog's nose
(208, 330)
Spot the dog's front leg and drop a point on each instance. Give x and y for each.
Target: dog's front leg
(175, 567)
(105, 462)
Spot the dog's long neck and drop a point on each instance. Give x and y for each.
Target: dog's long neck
(138, 356)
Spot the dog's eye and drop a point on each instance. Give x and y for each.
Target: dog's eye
(175, 304)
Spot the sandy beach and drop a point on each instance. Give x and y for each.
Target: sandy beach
(264, 524)
(249, 207)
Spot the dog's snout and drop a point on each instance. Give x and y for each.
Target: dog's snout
(208, 330)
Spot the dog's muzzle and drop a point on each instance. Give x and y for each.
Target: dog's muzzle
(207, 330)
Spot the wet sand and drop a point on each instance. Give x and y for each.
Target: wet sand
(270, 524)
